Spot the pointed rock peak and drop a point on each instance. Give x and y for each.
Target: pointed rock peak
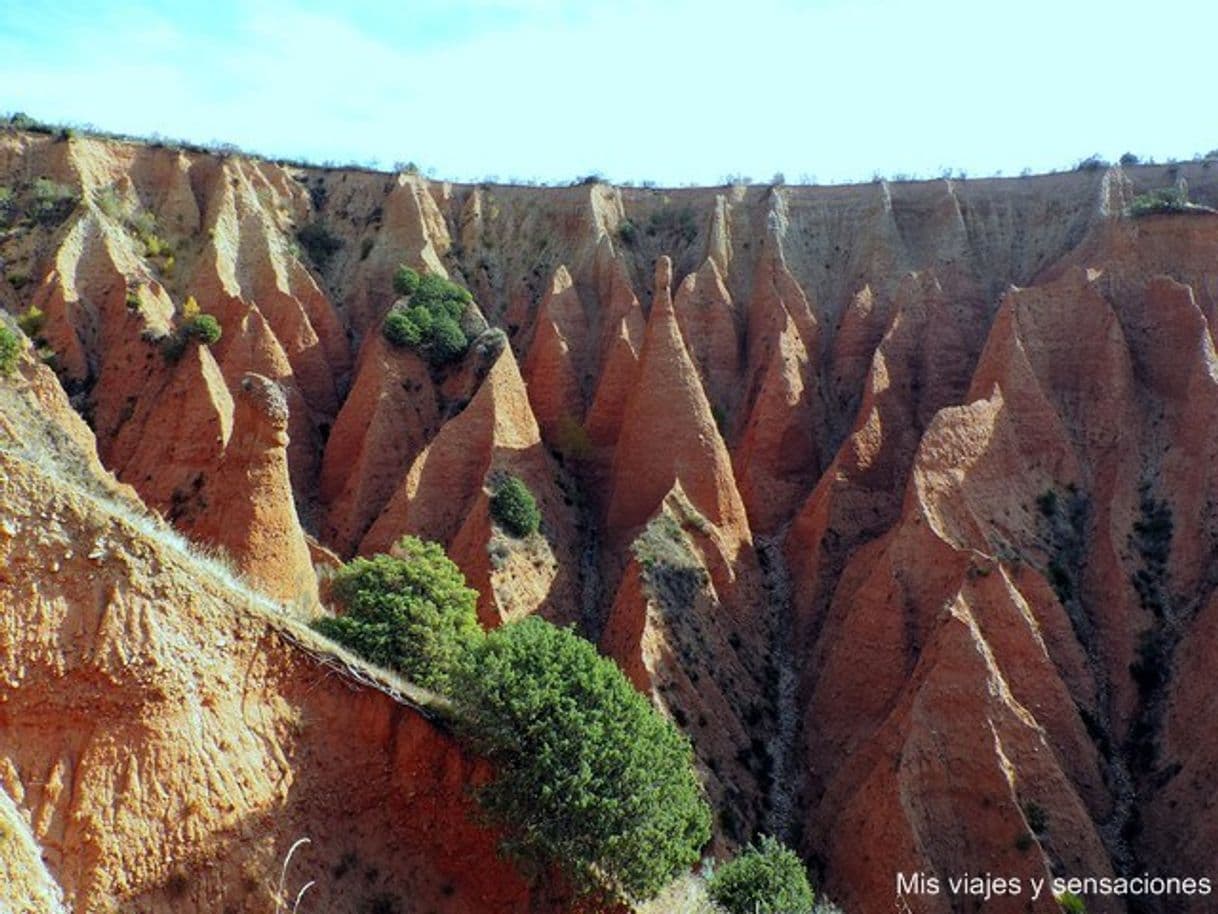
(1170, 340)
(197, 373)
(919, 282)
(613, 286)
(604, 256)
(707, 280)
(956, 438)
(471, 221)
(503, 398)
(661, 289)
(1115, 193)
(262, 408)
(606, 209)
(709, 274)
(436, 497)
(774, 292)
(249, 507)
(178, 430)
(918, 294)
(555, 355)
(669, 433)
(707, 320)
(414, 229)
(663, 273)
(561, 306)
(1079, 277)
(862, 306)
(777, 221)
(885, 195)
(719, 242)
(561, 281)
(678, 505)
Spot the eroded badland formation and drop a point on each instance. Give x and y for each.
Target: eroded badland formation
(900, 499)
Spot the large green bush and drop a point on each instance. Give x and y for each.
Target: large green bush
(590, 779)
(10, 350)
(514, 508)
(447, 342)
(410, 611)
(434, 288)
(430, 320)
(766, 878)
(405, 281)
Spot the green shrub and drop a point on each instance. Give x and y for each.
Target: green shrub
(194, 326)
(766, 878)
(429, 323)
(410, 611)
(405, 281)
(572, 439)
(110, 202)
(10, 350)
(447, 342)
(434, 289)
(51, 202)
(676, 226)
(22, 121)
(1071, 903)
(143, 224)
(156, 246)
(590, 779)
(1163, 200)
(202, 327)
(31, 321)
(1038, 819)
(319, 243)
(514, 508)
(403, 329)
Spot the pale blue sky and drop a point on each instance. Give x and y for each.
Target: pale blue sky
(674, 92)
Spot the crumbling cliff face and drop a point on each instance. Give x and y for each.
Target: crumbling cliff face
(167, 733)
(896, 497)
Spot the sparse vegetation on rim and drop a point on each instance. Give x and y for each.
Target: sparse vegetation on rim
(1163, 200)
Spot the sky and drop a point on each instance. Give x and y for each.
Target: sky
(678, 92)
